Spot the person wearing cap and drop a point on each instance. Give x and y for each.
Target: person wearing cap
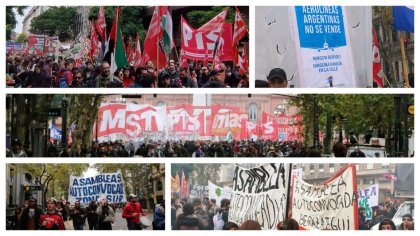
(51, 219)
(131, 213)
(16, 149)
(30, 216)
(277, 78)
(164, 80)
(217, 79)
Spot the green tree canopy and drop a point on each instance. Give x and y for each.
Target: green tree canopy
(198, 18)
(21, 38)
(56, 21)
(130, 19)
(11, 21)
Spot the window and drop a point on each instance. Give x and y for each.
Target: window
(160, 104)
(369, 181)
(321, 168)
(312, 168)
(369, 166)
(253, 111)
(331, 167)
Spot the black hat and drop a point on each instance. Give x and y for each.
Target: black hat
(16, 141)
(277, 73)
(32, 199)
(163, 74)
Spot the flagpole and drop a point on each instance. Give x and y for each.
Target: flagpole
(404, 61)
(288, 192)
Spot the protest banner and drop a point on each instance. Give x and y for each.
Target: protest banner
(109, 186)
(329, 206)
(260, 194)
(198, 45)
(218, 193)
(368, 198)
(276, 46)
(199, 191)
(322, 46)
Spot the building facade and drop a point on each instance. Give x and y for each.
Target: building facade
(34, 12)
(20, 186)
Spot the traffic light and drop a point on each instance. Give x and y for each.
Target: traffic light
(54, 112)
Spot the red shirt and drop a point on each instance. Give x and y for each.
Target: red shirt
(131, 208)
(52, 222)
(127, 81)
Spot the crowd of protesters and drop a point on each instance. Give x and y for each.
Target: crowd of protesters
(49, 72)
(60, 215)
(204, 214)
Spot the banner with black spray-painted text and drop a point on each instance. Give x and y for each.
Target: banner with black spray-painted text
(329, 206)
(260, 194)
(109, 186)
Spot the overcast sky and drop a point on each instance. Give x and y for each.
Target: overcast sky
(19, 18)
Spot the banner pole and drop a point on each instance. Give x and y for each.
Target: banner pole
(404, 61)
(288, 192)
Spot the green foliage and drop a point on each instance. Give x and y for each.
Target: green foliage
(11, 21)
(21, 38)
(130, 19)
(197, 18)
(56, 21)
(198, 174)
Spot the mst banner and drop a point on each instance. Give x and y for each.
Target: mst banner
(330, 206)
(260, 194)
(109, 186)
(322, 46)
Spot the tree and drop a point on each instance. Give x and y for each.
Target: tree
(22, 38)
(56, 21)
(11, 21)
(198, 18)
(46, 174)
(198, 174)
(130, 19)
(359, 114)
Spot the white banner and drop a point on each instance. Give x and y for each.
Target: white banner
(218, 193)
(260, 194)
(368, 198)
(109, 186)
(330, 206)
(276, 44)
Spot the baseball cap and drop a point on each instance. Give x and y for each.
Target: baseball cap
(277, 73)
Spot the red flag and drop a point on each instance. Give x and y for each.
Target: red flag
(153, 37)
(377, 70)
(130, 50)
(94, 41)
(183, 62)
(239, 29)
(138, 59)
(184, 187)
(215, 22)
(32, 41)
(390, 177)
(101, 23)
(235, 55)
(244, 65)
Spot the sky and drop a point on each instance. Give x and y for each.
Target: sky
(19, 18)
(90, 172)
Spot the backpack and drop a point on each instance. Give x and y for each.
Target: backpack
(218, 221)
(203, 219)
(63, 83)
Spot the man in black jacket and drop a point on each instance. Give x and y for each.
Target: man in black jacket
(30, 218)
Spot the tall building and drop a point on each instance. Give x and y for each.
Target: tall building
(82, 24)
(367, 175)
(20, 186)
(34, 12)
(158, 182)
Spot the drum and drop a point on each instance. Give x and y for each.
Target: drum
(145, 222)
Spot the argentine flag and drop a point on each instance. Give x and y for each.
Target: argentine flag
(403, 18)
